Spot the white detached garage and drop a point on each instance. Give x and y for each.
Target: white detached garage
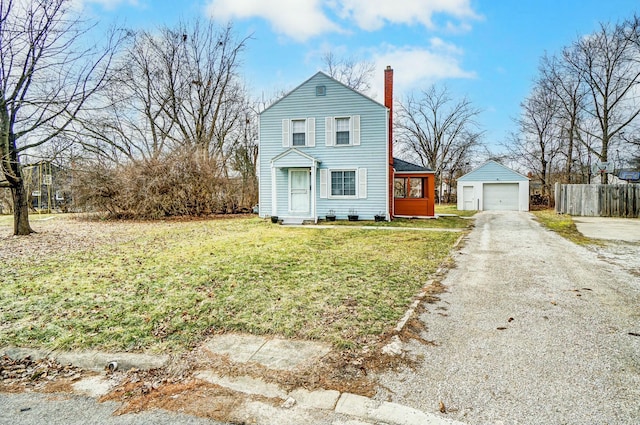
(492, 186)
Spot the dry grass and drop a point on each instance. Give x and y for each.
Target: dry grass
(563, 225)
(167, 285)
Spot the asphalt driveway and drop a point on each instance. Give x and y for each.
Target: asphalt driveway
(533, 330)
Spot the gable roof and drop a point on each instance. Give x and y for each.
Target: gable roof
(326, 76)
(292, 157)
(404, 166)
(492, 171)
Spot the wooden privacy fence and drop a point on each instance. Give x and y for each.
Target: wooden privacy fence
(598, 200)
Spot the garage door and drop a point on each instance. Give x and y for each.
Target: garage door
(500, 196)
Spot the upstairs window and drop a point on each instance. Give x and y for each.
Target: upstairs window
(298, 131)
(343, 131)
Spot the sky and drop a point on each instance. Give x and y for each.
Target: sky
(485, 50)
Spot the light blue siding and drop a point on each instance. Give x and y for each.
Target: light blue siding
(492, 171)
(339, 101)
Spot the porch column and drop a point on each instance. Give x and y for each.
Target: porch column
(274, 192)
(313, 191)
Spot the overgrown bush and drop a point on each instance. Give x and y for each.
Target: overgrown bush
(181, 184)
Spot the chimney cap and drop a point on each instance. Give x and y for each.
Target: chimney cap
(389, 67)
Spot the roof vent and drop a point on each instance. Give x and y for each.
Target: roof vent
(321, 90)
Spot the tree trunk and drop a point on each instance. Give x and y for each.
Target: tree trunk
(21, 224)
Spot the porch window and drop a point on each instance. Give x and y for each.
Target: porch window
(415, 187)
(408, 187)
(343, 183)
(400, 187)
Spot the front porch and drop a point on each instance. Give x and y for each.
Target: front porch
(293, 185)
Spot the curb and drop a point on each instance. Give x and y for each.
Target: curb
(347, 404)
(91, 360)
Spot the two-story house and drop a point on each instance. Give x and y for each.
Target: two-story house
(326, 149)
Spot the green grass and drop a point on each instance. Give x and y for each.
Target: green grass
(563, 225)
(172, 284)
(445, 222)
(422, 223)
(453, 209)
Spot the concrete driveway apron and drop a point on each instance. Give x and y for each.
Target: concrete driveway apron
(533, 329)
(609, 228)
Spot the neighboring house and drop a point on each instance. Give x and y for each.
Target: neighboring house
(492, 186)
(325, 149)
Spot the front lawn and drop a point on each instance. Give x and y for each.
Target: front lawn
(159, 286)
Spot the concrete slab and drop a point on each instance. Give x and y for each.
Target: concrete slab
(243, 384)
(389, 413)
(609, 228)
(285, 354)
(319, 399)
(239, 348)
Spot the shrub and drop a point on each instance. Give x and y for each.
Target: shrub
(180, 184)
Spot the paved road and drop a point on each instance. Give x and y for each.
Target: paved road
(68, 409)
(533, 330)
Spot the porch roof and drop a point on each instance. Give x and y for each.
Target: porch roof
(294, 158)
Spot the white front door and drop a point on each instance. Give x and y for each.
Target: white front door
(299, 191)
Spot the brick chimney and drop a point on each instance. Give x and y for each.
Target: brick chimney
(388, 102)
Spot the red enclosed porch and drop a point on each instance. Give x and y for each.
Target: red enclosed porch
(413, 190)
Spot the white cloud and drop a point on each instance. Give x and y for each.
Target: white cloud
(107, 4)
(372, 15)
(418, 67)
(303, 19)
(297, 19)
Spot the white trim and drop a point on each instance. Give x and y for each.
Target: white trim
(274, 191)
(314, 204)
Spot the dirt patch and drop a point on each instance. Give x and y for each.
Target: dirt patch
(43, 375)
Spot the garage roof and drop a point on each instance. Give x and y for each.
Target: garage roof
(492, 171)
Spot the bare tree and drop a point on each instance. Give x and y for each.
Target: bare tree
(351, 72)
(47, 76)
(439, 130)
(176, 88)
(567, 86)
(538, 143)
(608, 63)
